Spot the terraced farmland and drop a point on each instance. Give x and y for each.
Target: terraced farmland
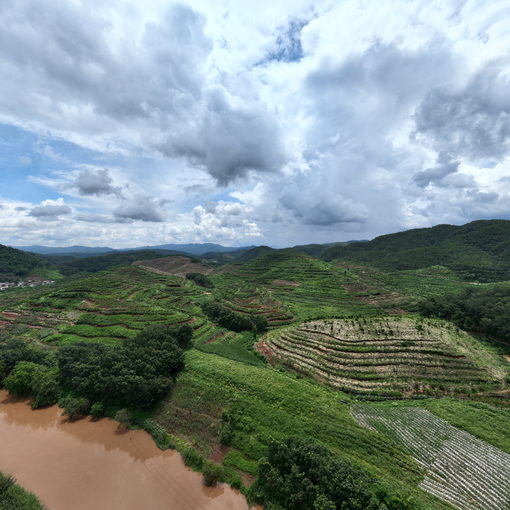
(465, 471)
(107, 307)
(386, 356)
(306, 287)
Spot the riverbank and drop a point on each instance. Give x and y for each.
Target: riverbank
(87, 464)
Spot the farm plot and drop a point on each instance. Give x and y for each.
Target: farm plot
(463, 470)
(308, 288)
(107, 307)
(256, 304)
(386, 356)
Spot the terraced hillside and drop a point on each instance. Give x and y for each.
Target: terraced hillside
(461, 469)
(305, 286)
(106, 307)
(388, 356)
(327, 320)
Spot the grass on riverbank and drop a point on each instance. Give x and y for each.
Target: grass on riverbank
(14, 497)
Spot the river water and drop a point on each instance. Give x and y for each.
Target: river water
(88, 465)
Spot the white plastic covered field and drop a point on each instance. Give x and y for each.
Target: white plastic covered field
(465, 471)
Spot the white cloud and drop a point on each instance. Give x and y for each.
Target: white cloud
(324, 120)
(50, 209)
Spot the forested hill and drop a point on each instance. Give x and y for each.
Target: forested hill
(17, 264)
(73, 265)
(479, 250)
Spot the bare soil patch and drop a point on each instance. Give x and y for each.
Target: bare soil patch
(286, 283)
(11, 315)
(218, 453)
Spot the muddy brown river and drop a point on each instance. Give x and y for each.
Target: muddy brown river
(89, 465)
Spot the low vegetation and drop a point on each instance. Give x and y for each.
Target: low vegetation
(13, 497)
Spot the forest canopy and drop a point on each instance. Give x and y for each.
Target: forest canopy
(481, 310)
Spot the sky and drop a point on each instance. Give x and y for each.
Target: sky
(127, 123)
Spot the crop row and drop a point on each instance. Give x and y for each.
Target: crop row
(461, 469)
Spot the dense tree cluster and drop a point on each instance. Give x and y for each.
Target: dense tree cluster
(13, 350)
(482, 310)
(300, 476)
(136, 374)
(200, 279)
(28, 371)
(233, 320)
(32, 379)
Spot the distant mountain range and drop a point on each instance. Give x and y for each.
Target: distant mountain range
(477, 251)
(193, 248)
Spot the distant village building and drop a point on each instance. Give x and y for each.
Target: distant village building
(23, 284)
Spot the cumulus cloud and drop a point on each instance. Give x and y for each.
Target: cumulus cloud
(224, 220)
(99, 182)
(436, 174)
(471, 122)
(142, 208)
(233, 137)
(50, 209)
(81, 77)
(327, 211)
(320, 121)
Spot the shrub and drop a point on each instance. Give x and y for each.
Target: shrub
(235, 481)
(97, 410)
(6, 482)
(123, 416)
(226, 434)
(200, 279)
(74, 408)
(192, 458)
(160, 436)
(212, 472)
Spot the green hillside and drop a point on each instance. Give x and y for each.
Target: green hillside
(476, 251)
(19, 264)
(343, 337)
